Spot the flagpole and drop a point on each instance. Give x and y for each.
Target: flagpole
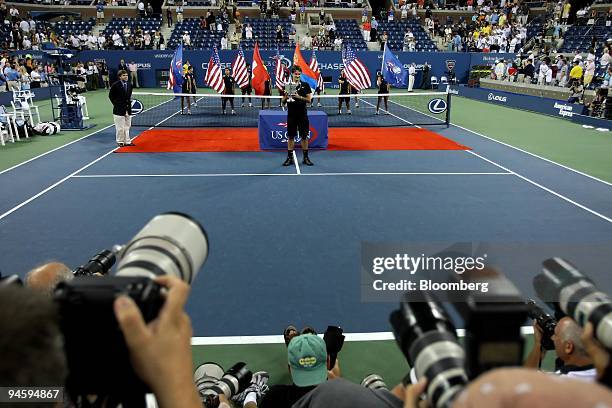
(382, 62)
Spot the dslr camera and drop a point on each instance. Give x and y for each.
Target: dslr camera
(98, 359)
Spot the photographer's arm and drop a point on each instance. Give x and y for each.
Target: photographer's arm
(536, 354)
(160, 351)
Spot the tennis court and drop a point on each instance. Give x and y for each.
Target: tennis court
(285, 241)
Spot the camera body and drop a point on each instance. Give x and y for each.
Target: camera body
(90, 329)
(546, 322)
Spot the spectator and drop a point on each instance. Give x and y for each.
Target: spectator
(569, 348)
(100, 12)
(13, 78)
(224, 43)
(279, 32)
(589, 71)
(169, 17)
(373, 29)
(133, 70)
(383, 40)
(366, 31)
(248, 31)
(575, 73)
(500, 70)
(31, 346)
(179, 13)
(140, 6)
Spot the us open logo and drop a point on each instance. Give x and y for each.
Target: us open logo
(437, 106)
(137, 107)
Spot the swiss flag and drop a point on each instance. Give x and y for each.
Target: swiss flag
(260, 73)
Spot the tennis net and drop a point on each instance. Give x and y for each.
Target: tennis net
(366, 109)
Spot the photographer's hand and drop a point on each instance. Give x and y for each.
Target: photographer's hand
(334, 372)
(535, 355)
(600, 356)
(160, 351)
(412, 397)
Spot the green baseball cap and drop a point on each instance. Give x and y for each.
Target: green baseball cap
(307, 357)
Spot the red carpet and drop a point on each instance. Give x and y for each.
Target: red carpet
(246, 140)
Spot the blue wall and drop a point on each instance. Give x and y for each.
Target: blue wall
(150, 62)
(330, 61)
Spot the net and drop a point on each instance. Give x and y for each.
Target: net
(366, 110)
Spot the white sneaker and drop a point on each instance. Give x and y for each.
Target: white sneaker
(233, 112)
(349, 112)
(242, 106)
(250, 105)
(319, 104)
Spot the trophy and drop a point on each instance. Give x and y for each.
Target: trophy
(290, 90)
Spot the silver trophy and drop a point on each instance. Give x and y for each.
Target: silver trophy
(290, 90)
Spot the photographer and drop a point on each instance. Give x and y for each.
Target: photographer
(160, 351)
(570, 350)
(308, 366)
(45, 278)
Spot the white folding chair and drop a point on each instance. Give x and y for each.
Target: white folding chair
(6, 126)
(444, 80)
(22, 108)
(27, 96)
(434, 82)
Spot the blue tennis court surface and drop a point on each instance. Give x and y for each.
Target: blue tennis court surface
(285, 241)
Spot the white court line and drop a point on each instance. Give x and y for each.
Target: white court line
(561, 196)
(402, 119)
(52, 186)
(56, 149)
(517, 148)
(292, 174)
(297, 166)
(279, 339)
(536, 156)
(69, 143)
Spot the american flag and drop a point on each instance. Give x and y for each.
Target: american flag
(314, 65)
(240, 73)
(282, 74)
(214, 75)
(356, 73)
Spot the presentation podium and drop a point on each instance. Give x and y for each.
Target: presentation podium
(273, 130)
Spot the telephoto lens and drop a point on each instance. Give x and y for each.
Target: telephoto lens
(562, 283)
(233, 381)
(374, 382)
(426, 336)
(170, 244)
(99, 264)
(546, 322)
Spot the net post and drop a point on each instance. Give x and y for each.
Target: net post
(448, 106)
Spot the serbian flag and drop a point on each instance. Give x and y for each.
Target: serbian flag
(175, 79)
(308, 75)
(260, 73)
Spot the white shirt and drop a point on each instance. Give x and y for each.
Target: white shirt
(24, 26)
(411, 70)
(604, 60)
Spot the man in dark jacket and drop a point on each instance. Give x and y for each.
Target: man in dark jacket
(120, 95)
